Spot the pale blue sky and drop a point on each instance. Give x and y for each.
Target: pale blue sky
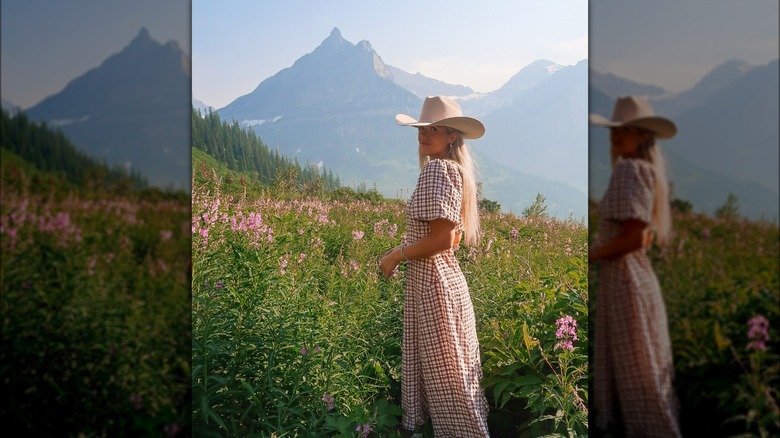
(673, 43)
(48, 43)
(238, 44)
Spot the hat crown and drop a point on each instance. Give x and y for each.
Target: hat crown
(631, 108)
(437, 108)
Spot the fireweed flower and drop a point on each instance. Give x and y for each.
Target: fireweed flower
(514, 233)
(364, 430)
(328, 401)
(304, 351)
(758, 332)
(567, 331)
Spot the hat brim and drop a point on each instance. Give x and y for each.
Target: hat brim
(469, 127)
(660, 126)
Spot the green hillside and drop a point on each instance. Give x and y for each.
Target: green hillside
(53, 158)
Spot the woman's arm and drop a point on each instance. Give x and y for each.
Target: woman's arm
(440, 239)
(635, 234)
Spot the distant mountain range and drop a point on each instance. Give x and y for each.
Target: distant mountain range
(337, 104)
(134, 110)
(727, 139)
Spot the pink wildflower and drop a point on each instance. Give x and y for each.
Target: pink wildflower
(364, 430)
(567, 330)
(328, 400)
(758, 332)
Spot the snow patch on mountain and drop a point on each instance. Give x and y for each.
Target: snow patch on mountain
(64, 122)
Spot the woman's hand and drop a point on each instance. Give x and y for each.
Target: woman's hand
(441, 237)
(390, 261)
(634, 235)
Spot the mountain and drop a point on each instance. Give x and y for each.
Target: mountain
(734, 130)
(537, 122)
(423, 86)
(133, 109)
(727, 139)
(615, 86)
(337, 105)
(719, 78)
(202, 107)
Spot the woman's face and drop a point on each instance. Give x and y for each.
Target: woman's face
(626, 140)
(434, 140)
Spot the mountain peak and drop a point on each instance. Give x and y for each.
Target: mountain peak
(719, 77)
(530, 75)
(143, 36)
(365, 45)
(334, 41)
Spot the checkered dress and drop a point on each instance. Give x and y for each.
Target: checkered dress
(633, 368)
(441, 368)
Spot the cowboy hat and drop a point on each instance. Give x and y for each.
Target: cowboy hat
(636, 111)
(443, 111)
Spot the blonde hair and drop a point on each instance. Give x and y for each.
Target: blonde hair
(460, 154)
(662, 214)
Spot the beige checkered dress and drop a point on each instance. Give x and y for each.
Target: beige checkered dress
(633, 367)
(441, 368)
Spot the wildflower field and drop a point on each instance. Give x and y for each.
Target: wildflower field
(719, 277)
(295, 332)
(95, 309)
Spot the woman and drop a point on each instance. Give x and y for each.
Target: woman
(441, 368)
(633, 367)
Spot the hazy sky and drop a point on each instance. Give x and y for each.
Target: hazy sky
(238, 44)
(673, 44)
(48, 43)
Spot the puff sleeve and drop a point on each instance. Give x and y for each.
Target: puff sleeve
(631, 192)
(438, 194)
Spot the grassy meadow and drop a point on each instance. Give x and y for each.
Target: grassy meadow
(295, 332)
(95, 308)
(719, 277)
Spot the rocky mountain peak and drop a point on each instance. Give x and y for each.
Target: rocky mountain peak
(143, 38)
(334, 41)
(365, 45)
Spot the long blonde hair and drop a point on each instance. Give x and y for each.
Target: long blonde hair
(662, 213)
(460, 154)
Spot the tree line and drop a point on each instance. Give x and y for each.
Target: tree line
(49, 150)
(241, 150)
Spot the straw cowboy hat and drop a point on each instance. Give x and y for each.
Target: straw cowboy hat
(443, 111)
(636, 111)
